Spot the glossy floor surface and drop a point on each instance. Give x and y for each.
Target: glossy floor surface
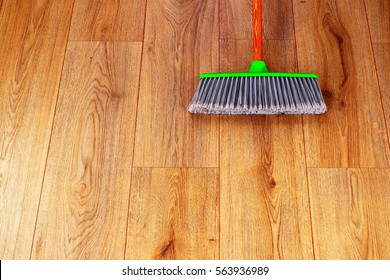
(99, 158)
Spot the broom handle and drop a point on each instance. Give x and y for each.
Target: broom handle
(257, 30)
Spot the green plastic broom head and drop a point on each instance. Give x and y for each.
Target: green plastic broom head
(258, 92)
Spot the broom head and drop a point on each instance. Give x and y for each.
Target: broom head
(258, 92)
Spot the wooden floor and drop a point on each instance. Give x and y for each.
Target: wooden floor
(99, 158)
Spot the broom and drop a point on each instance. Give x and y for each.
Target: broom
(258, 91)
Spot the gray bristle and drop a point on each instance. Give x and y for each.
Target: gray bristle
(258, 95)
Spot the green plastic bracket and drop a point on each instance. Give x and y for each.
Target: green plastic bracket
(258, 69)
(258, 66)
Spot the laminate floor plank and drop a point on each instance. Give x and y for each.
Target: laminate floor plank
(236, 19)
(333, 41)
(99, 158)
(264, 198)
(378, 13)
(278, 20)
(350, 213)
(33, 36)
(120, 20)
(83, 209)
(173, 214)
(181, 41)
(382, 60)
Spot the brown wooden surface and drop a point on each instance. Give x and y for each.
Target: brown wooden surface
(264, 207)
(97, 20)
(378, 13)
(82, 214)
(333, 41)
(173, 214)
(382, 60)
(235, 19)
(32, 49)
(181, 41)
(278, 21)
(356, 225)
(99, 158)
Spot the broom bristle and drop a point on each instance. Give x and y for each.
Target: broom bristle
(258, 95)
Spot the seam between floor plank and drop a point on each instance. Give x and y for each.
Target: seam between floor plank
(308, 191)
(135, 128)
(380, 43)
(304, 140)
(265, 39)
(219, 137)
(52, 126)
(362, 168)
(377, 76)
(176, 166)
(343, 166)
(108, 41)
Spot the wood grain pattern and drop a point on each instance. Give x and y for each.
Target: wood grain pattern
(382, 61)
(278, 20)
(378, 13)
(280, 55)
(351, 213)
(235, 19)
(237, 55)
(82, 213)
(264, 205)
(181, 41)
(173, 214)
(199, 187)
(120, 20)
(334, 42)
(33, 37)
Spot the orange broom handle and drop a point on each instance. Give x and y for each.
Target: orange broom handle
(257, 30)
